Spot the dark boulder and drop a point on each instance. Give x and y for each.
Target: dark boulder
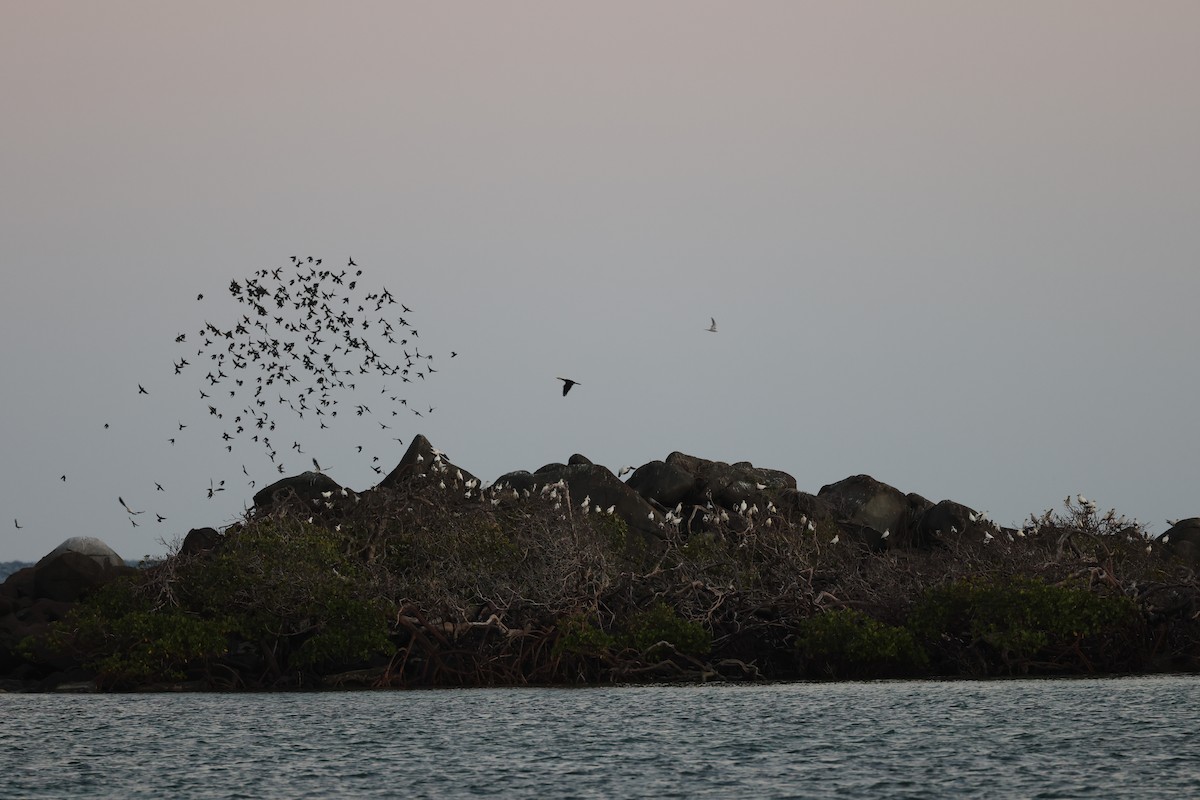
(553, 466)
(75, 568)
(918, 505)
(68, 576)
(945, 521)
(579, 460)
(729, 485)
(422, 459)
(307, 486)
(522, 480)
(600, 487)
(200, 540)
(665, 484)
(795, 505)
(1183, 538)
(850, 533)
(862, 500)
(89, 546)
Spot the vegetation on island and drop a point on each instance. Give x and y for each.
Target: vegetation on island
(429, 579)
(421, 585)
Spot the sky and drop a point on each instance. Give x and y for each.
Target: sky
(950, 245)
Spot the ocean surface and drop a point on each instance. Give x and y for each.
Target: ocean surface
(1135, 738)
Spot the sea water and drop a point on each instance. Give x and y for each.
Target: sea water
(1108, 738)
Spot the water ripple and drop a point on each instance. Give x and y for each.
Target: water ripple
(1028, 739)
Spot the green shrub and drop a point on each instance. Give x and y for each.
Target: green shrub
(349, 631)
(850, 644)
(117, 633)
(661, 623)
(578, 636)
(1021, 625)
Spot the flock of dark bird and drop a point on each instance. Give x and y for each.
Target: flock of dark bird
(306, 337)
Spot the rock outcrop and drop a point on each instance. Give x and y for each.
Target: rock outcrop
(308, 486)
(1183, 538)
(422, 458)
(35, 597)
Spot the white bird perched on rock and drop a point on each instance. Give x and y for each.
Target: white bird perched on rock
(987, 537)
(886, 533)
(713, 327)
(587, 499)
(611, 509)
(836, 538)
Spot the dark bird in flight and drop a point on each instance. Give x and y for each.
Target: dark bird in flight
(199, 297)
(158, 486)
(567, 384)
(17, 524)
(161, 518)
(453, 354)
(315, 464)
(63, 478)
(712, 328)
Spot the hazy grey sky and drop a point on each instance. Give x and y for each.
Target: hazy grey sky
(951, 245)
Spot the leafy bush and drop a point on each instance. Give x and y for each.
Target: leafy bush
(850, 644)
(661, 623)
(1021, 625)
(578, 636)
(116, 632)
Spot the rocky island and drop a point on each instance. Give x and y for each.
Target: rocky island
(689, 570)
